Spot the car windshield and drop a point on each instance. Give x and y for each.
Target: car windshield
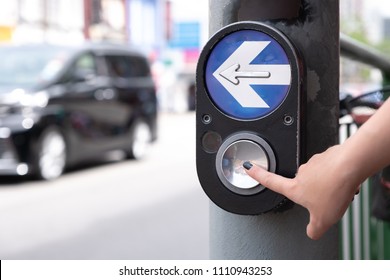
(25, 67)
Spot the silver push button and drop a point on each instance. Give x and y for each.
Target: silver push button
(234, 152)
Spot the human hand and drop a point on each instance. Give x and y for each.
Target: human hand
(325, 186)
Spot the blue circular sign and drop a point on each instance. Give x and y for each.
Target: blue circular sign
(248, 74)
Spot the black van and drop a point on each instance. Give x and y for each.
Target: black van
(60, 105)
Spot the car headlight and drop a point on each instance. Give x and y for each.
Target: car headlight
(38, 99)
(20, 102)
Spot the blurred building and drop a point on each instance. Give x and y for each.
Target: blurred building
(351, 15)
(150, 24)
(170, 32)
(173, 33)
(105, 20)
(375, 15)
(62, 21)
(41, 20)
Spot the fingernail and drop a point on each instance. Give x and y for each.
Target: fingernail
(247, 165)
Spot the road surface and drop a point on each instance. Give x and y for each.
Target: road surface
(149, 209)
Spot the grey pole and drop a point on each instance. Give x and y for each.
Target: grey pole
(313, 26)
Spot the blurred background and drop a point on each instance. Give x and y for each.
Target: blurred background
(152, 208)
(368, 22)
(169, 32)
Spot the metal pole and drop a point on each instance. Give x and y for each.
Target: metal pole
(314, 28)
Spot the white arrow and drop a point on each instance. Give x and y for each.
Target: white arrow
(237, 74)
(232, 74)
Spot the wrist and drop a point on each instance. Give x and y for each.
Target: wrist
(356, 161)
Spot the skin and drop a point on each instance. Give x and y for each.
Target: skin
(327, 183)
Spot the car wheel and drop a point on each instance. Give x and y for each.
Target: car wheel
(51, 154)
(141, 138)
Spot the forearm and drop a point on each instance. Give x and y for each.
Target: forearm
(327, 183)
(368, 150)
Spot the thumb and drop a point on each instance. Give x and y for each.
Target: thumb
(315, 230)
(268, 179)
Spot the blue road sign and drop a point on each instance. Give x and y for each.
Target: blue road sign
(248, 74)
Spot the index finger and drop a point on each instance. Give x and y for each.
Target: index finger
(268, 179)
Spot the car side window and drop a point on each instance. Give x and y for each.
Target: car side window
(127, 66)
(140, 66)
(86, 62)
(82, 69)
(85, 67)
